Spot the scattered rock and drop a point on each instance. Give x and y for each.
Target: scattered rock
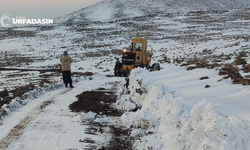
(245, 82)
(239, 61)
(4, 93)
(80, 68)
(219, 80)
(107, 70)
(247, 76)
(203, 78)
(88, 74)
(191, 68)
(31, 86)
(213, 65)
(231, 72)
(7, 99)
(27, 88)
(246, 69)
(139, 90)
(223, 73)
(18, 93)
(236, 78)
(41, 83)
(228, 68)
(216, 60)
(227, 57)
(21, 90)
(207, 86)
(184, 64)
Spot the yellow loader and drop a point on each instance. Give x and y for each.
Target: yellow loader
(135, 56)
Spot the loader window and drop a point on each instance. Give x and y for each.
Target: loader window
(138, 46)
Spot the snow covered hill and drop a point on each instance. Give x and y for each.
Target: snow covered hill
(107, 10)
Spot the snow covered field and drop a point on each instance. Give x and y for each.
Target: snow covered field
(175, 109)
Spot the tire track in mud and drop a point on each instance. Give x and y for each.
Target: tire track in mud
(16, 132)
(101, 101)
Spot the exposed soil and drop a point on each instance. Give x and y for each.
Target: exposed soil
(100, 101)
(96, 101)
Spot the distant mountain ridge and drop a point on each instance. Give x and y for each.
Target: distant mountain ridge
(107, 10)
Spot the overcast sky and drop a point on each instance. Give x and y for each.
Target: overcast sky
(42, 9)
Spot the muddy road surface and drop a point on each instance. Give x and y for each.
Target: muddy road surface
(101, 101)
(53, 120)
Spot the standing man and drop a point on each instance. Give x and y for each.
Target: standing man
(66, 61)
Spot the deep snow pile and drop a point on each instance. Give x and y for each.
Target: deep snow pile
(165, 120)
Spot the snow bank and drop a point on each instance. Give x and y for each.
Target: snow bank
(18, 102)
(24, 99)
(164, 120)
(88, 117)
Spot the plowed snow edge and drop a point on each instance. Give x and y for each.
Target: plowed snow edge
(16, 132)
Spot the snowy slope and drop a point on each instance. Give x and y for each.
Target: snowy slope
(107, 10)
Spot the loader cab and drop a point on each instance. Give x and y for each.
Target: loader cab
(135, 55)
(139, 46)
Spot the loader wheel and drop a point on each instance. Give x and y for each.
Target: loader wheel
(142, 65)
(155, 67)
(125, 74)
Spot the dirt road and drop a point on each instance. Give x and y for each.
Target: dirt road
(53, 121)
